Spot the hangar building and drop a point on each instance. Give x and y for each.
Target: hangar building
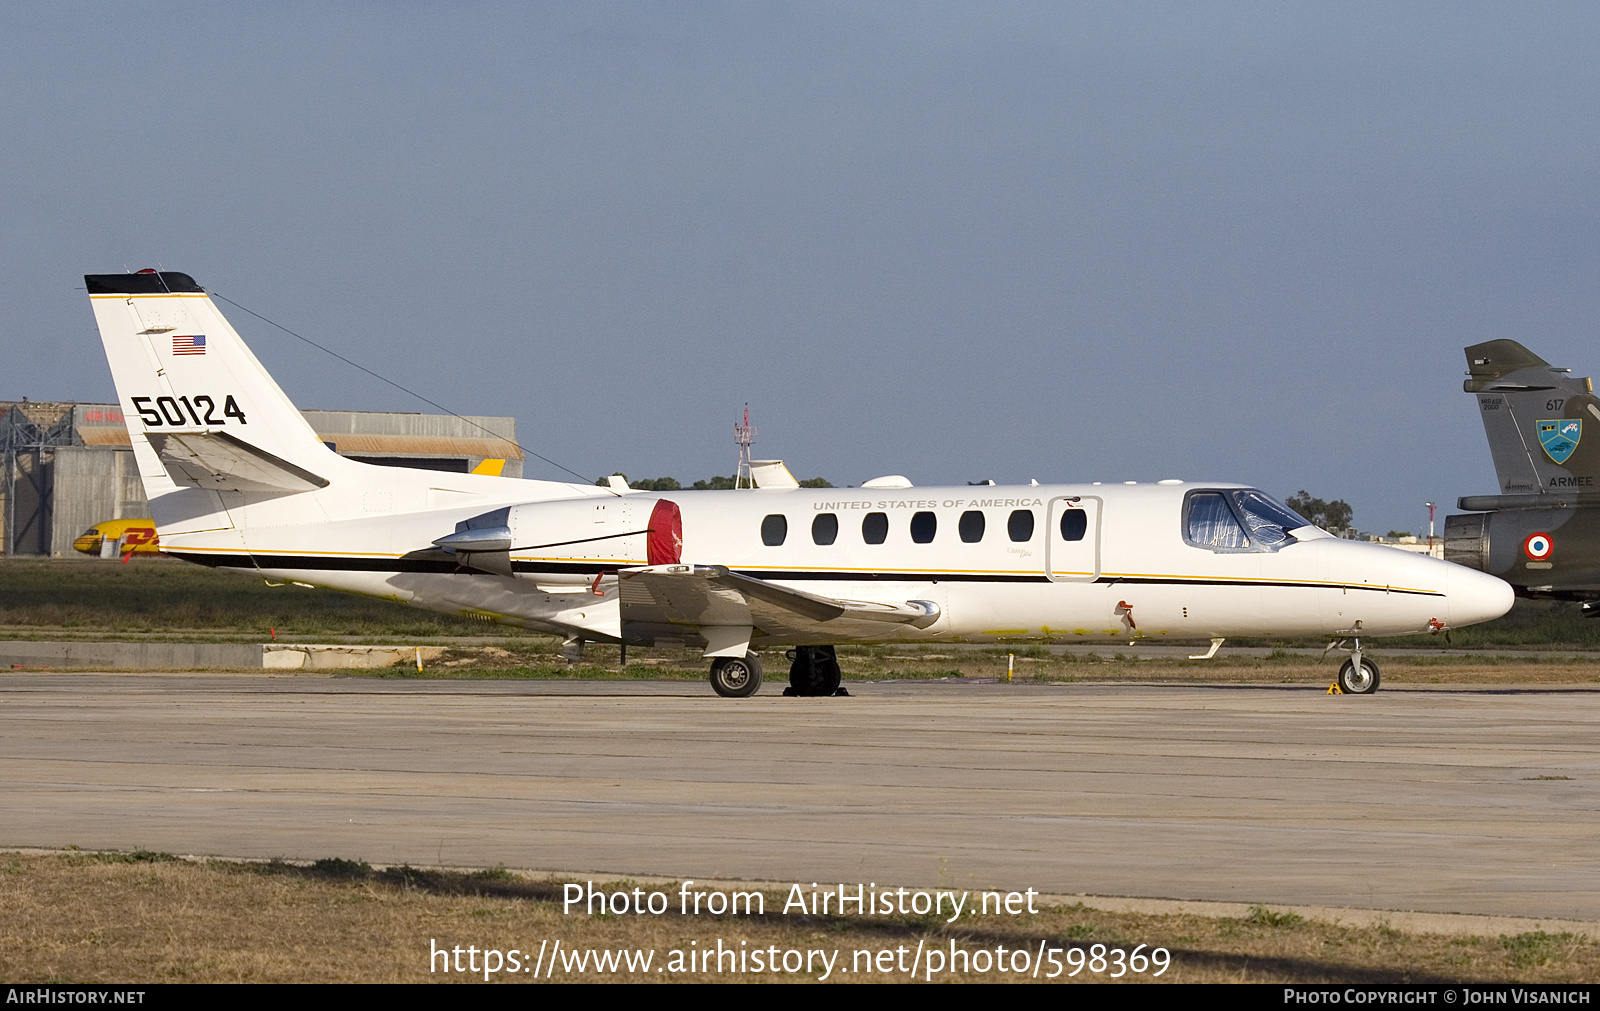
(66, 467)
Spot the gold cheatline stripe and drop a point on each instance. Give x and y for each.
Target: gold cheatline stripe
(1327, 584)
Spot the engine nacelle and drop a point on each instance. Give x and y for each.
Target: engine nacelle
(570, 540)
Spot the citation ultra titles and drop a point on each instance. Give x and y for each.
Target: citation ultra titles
(237, 479)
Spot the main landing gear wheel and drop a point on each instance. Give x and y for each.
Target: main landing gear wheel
(736, 677)
(1358, 682)
(814, 672)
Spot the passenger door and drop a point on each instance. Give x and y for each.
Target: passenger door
(1072, 538)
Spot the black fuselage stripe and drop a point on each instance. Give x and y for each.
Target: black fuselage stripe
(326, 563)
(318, 563)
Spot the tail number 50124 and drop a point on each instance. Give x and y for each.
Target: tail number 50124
(177, 411)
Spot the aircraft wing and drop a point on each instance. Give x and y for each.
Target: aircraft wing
(726, 607)
(221, 462)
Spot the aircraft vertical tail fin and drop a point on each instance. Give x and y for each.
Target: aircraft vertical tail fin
(201, 411)
(1535, 416)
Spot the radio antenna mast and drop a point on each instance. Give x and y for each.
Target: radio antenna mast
(745, 435)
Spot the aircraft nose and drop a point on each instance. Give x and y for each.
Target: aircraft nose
(1476, 596)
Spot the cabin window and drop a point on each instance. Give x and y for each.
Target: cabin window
(1074, 524)
(875, 528)
(923, 526)
(971, 526)
(1020, 525)
(774, 529)
(825, 528)
(1211, 524)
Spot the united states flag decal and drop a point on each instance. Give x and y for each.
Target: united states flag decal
(195, 345)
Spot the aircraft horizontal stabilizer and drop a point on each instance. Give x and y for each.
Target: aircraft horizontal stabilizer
(222, 462)
(713, 597)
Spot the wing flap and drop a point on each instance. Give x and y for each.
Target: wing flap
(712, 596)
(920, 613)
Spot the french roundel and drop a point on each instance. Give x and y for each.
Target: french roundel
(1538, 546)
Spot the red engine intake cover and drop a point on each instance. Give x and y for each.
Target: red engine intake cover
(664, 545)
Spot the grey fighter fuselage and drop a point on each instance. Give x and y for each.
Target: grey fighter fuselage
(1541, 534)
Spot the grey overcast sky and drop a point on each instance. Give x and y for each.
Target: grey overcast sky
(955, 241)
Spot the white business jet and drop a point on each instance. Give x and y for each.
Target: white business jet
(237, 479)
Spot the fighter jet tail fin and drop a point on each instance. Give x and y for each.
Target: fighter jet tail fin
(1536, 417)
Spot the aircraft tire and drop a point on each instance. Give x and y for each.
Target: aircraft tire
(1364, 683)
(814, 671)
(735, 677)
(830, 685)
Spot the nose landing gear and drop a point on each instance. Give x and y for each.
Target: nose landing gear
(1358, 675)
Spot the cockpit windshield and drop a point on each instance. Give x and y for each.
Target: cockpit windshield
(1268, 520)
(1239, 520)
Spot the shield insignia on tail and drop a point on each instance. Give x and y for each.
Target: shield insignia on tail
(1559, 437)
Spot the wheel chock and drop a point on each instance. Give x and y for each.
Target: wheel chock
(1334, 689)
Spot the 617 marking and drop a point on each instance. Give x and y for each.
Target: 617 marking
(201, 411)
